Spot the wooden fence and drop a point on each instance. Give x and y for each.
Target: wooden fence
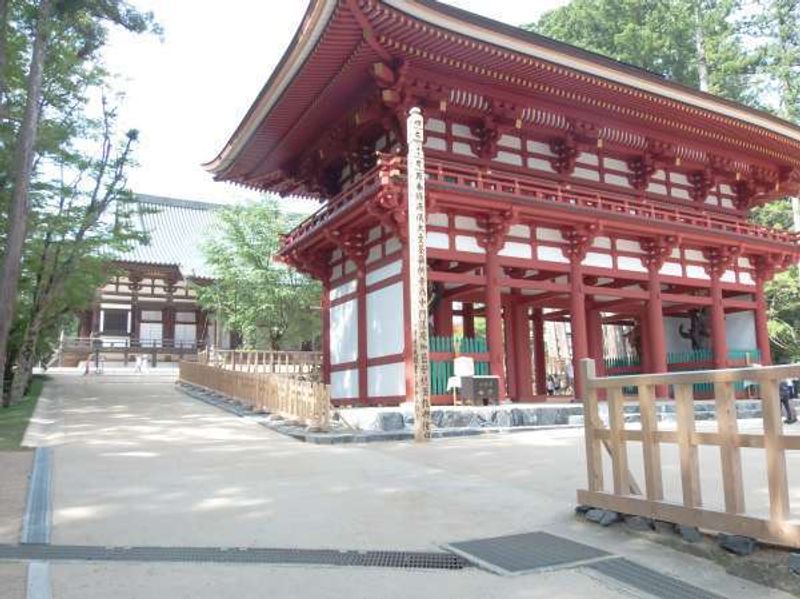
(290, 396)
(625, 496)
(305, 363)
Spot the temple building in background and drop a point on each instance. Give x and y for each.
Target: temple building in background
(149, 300)
(562, 187)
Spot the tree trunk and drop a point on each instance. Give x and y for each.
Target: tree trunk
(24, 366)
(23, 168)
(3, 51)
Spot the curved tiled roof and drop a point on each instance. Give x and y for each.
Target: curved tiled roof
(177, 230)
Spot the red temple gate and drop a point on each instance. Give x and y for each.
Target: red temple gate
(561, 186)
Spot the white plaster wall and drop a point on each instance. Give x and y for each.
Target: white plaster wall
(542, 165)
(344, 332)
(384, 272)
(629, 263)
(437, 219)
(515, 249)
(344, 384)
(437, 240)
(694, 271)
(343, 290)
(546, 234)
(672, 268)
(385, 330)
(740, 330)
(746, 279)
(386, 380)
(466, 222)
(598, 259)
(468, 244)
(392, 245)
(508, 158)
(520, 231)
(550, 254)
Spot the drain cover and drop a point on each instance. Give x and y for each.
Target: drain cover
(253, 555)
(528, 552)
(651, 582)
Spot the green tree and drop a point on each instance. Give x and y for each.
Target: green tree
(268, 303)
(74, 229)
(694, 42)
(49, 62)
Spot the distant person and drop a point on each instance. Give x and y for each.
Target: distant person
(785, 391)
(551, 385)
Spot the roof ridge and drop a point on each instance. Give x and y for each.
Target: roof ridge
(144, 198)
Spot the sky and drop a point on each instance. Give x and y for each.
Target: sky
(187, 91)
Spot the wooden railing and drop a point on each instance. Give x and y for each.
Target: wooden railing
(624, 497)
(290, 396)
(294, 363)
(447, 175)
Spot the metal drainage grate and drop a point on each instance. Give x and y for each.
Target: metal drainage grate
(254, 555)
(528, 552)
(36, 523)
(650, 581)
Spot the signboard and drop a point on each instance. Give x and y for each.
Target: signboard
(418, 274)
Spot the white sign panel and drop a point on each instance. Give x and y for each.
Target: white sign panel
(418, 274)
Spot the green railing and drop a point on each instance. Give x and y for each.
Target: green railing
(683, 360)
(459, 345)
(689, 357)
(441, 370)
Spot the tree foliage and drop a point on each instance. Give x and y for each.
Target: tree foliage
(268, 303)
(62, 168)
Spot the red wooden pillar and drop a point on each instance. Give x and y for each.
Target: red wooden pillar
(468, 320)
(540, 363)
(362, 331)
(510, 345)
(326, 331)
(580, 348)
(443, 318)
(762, 332)
(494, 325)
(522, 328)
(646, 344)
(594, 333)
(655, 326)
(719, 341)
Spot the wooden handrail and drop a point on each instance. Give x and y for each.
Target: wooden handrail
(289, 396)
(622, 497)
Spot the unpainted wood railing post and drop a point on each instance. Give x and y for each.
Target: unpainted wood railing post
(730, 454)
(651, 448)
(591, 417)
(775, 454)
(619, 450)
(690, 465)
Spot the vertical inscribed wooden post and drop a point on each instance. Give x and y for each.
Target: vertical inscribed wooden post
(418, 274)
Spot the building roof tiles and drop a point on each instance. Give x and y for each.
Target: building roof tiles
(177, 230)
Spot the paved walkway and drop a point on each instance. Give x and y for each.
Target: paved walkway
(138, 463)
